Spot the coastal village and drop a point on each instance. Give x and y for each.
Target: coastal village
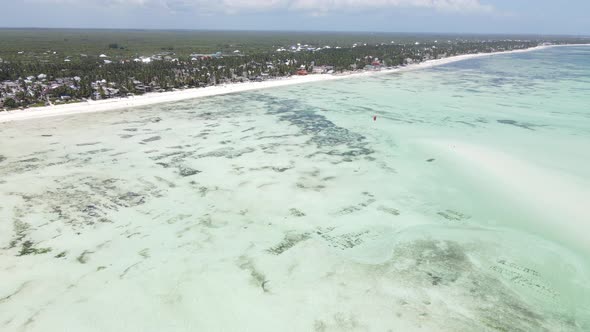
(101, 76)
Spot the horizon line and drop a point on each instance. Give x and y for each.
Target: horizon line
(528, 34)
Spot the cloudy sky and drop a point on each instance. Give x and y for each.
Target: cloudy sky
(474, 16)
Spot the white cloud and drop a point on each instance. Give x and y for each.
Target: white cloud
(306, 6)
(332, 5)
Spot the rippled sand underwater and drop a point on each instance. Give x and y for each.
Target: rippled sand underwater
(463, 207)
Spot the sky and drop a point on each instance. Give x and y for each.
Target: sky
(442, 16)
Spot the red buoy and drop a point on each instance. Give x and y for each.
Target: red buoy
(374, 118)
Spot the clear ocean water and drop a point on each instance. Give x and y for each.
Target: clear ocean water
(464, 206)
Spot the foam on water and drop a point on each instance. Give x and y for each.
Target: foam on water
(462, 207)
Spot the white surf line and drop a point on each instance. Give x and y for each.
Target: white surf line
(194, 93)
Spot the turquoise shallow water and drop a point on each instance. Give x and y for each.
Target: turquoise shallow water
(462, 207)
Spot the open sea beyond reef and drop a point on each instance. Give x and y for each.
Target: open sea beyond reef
(464, 207)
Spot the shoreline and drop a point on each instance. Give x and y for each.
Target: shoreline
(194, 93)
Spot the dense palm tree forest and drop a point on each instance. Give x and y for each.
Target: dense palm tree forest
(39, 76)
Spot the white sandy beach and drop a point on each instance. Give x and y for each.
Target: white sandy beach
(172, 96)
